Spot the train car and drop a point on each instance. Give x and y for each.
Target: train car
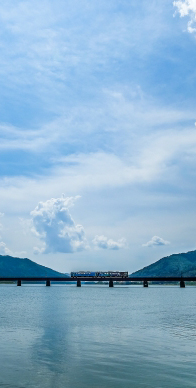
(105, 274)
(83, 274)
(123, 274)
(119, 274)
(102, 274)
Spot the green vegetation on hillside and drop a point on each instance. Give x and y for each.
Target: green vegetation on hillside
(15, 267)
(175, 265)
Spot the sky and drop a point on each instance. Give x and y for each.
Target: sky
(98, 132)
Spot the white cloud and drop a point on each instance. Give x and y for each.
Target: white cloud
(53, 224)
(48, 40)
(156, 241)
(107, 243)
(37, 250)
(187, 8)
(4, 250)
(114, 116)
(160, 157)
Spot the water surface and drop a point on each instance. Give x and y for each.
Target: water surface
(96, 336)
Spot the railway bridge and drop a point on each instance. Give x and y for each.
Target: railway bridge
(78, 280)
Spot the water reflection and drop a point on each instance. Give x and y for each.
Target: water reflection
(50, 353)
(90, 337)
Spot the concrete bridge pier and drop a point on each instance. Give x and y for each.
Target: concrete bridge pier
(19, 282)
(47, 283)
(145, 283)
(111, 283)
(182, 284)
(78, 283)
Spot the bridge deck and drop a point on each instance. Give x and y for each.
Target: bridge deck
(97, 279)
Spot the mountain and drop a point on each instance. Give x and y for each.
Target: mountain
(175, 265)
(15, 267)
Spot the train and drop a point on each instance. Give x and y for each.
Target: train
(107, 274)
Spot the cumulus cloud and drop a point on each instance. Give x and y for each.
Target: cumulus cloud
(4, 250)
(54, 225)
(107, 243)
(156, 241)
(187, 8)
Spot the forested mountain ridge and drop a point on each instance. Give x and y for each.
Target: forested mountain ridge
(180, 264)
(16, 267)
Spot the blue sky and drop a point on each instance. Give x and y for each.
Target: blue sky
(98, 135)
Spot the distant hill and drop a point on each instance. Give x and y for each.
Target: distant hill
(175, 265)
(15, 267)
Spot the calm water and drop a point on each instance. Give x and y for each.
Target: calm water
(67, 337)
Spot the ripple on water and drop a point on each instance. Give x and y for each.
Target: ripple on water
(97, 337)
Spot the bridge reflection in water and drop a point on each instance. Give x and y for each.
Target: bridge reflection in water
(111, 280)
